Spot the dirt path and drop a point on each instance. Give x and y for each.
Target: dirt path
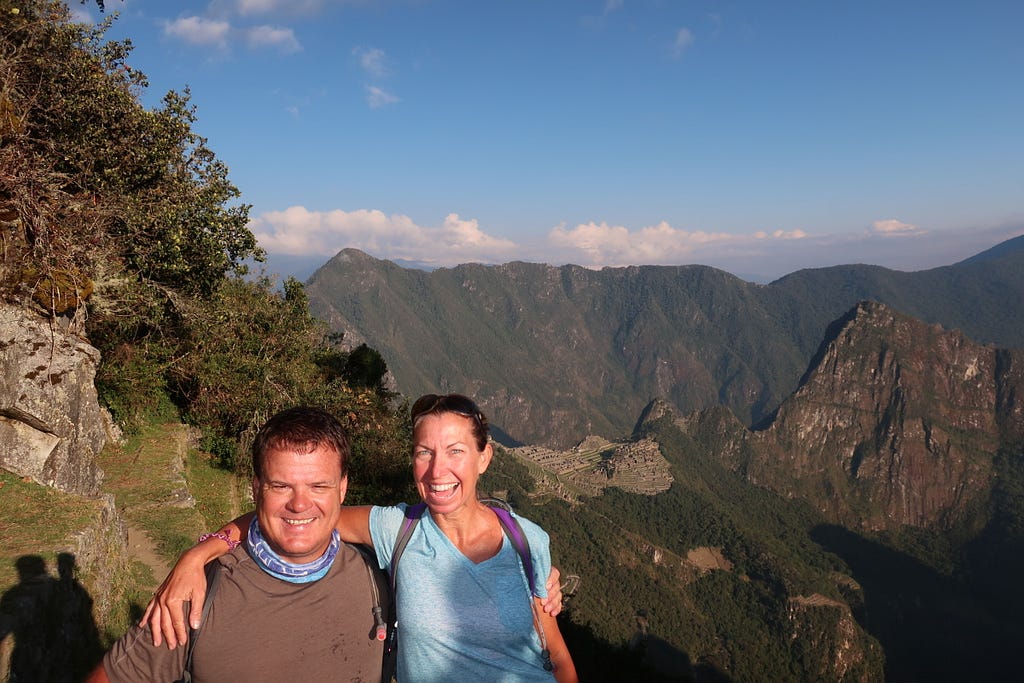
(151, 480)
(144, 550)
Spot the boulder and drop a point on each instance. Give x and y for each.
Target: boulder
(51, 424)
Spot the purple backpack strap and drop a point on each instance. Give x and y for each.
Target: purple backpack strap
(515, 534)
(509, 524)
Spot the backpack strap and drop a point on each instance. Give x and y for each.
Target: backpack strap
(509, 524)
(213, 573)
(384, 622)
(412, 518)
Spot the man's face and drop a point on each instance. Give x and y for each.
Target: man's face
(298, 501)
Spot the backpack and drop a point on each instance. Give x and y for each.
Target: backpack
(509, 524)
(379, 631)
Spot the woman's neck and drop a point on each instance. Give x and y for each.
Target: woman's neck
(473, 529)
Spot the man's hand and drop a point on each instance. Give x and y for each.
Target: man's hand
(553, 603)
(164, 614)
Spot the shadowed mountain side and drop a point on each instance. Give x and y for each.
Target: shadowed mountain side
(931, 625)
(553, 353)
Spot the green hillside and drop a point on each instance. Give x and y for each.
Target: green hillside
(792, 596)
(737, 623)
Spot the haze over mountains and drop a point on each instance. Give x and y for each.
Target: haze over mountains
(556, 353)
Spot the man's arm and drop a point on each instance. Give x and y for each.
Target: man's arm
(187, 582)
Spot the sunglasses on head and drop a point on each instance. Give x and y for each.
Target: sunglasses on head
(445, 403)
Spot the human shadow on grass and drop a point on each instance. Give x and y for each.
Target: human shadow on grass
(51, 621)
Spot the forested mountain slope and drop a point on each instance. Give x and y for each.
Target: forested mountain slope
(555, 353)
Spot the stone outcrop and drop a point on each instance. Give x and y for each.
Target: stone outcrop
(51, 423)
(896, 422)
(827, 626)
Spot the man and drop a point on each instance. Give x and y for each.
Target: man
(293, 602)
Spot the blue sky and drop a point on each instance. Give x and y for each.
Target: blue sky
(757, 137)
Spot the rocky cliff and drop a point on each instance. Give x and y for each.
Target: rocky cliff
(51, 424)
(895, 422)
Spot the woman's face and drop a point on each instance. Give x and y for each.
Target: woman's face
(446, 462)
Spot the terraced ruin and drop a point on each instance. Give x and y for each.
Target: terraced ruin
(595, 464)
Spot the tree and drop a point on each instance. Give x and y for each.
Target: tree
(366, 368)
(100, 194)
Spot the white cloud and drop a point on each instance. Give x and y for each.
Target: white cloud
(781, 235)
(269, 36)
(683, 40)
(199, 31)
(372, 60)
(612, 6)
(759, 256)
(257, 6)
(298, 231)
(893, 227)
(377, 97)
(601, 244)
(252, 7)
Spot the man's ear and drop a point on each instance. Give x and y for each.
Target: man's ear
(343, 488)
(255, 488)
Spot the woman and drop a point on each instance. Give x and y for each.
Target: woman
(464, 604)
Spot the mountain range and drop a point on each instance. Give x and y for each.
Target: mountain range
(553, 354)
(874, 528)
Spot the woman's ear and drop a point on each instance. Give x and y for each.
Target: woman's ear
(485, 457)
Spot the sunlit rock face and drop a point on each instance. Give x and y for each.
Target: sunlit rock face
(51, 423)
(895, 422)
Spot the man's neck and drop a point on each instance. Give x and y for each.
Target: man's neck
(272, 563)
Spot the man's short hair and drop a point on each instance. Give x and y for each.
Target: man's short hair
(303, 428)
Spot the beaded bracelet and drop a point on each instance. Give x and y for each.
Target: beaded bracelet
(222, 536)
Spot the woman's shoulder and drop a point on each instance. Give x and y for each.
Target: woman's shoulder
(389, 513)
(532, 530)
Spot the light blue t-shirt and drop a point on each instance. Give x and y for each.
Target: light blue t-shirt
(460, 621)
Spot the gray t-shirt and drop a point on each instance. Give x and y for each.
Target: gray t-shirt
(263, 629)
